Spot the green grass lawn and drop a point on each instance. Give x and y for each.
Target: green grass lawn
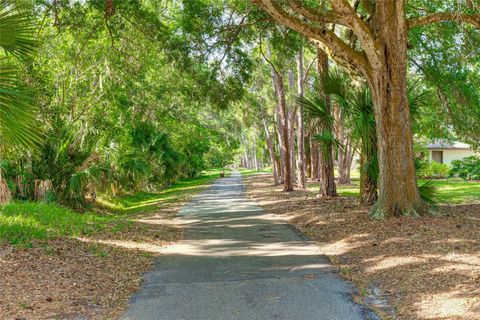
(457, 191)
(147, 201)
(250, 172)
(22, 222)
(449, 191)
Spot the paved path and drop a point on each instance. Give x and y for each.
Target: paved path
(239, 262)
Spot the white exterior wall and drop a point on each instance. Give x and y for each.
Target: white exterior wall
(452, 154)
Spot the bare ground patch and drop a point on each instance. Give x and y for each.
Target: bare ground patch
(427, 268)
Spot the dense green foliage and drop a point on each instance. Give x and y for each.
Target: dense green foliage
(115, 97)
(24, 222)
(467, 168)
(446, 57)
(435, 170)
(124, 101)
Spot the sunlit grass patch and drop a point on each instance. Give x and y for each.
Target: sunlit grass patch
(23, 222)
(249, 172)
(448, 191)
(344, 190)
(148, 201)
(457, 191)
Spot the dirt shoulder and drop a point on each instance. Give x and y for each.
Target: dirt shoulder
(86, 277)
(427, 268)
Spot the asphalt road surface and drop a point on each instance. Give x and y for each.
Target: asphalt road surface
(239, 262)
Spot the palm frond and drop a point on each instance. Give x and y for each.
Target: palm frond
(315, 108)
(420, 164)
(18, 125)
(335, 83)
(428, 192)
(326, 139)
(16, 31)
(417, 98)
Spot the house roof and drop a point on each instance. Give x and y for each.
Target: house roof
(443, 144)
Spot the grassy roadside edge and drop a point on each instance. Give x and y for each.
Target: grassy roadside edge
(86, 270)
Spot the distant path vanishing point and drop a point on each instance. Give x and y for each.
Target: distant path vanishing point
(239, 262)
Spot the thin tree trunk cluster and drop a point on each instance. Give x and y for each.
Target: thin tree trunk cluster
(293, 153)
(345, 153)
(326, 174)
(376, 47)
(250, 159)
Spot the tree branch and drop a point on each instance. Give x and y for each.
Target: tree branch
(315, 15)
(336, 46)
(307, 70)
(473, 19)
(359, 27)
(266, 59)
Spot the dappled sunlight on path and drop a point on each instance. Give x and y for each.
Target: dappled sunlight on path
(239, 262)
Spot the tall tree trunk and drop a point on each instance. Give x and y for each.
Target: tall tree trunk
(283, 129)
(308, 159)
(291, 127)
(271, 151)
(245, 151)
(301, 178)
(368, 186)
(278, 127)
(327, 179)
(399, 194)
(291, 136)
(349, 159)
(345, 164)
(314, 157)
(343, 149)
(254, 151)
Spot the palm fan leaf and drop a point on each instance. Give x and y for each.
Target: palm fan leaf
(335, 83)
(326, 139)
(417, 98)
(428, 192)
(315, 108)
(18, 125)
(16, 31)
(17, 122)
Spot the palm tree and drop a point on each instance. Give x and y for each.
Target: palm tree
(18, 126)
(17, 120)
(315, 109)
(357, 104)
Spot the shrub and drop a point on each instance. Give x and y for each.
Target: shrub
(466, 168)
(435, 170)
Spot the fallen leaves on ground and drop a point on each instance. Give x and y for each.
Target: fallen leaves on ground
(428, 268)
(84, 278)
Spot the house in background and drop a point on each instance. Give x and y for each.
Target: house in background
(442, 151)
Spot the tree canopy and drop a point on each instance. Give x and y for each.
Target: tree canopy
(126, 95)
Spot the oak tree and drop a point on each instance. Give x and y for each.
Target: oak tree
(379, 53)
